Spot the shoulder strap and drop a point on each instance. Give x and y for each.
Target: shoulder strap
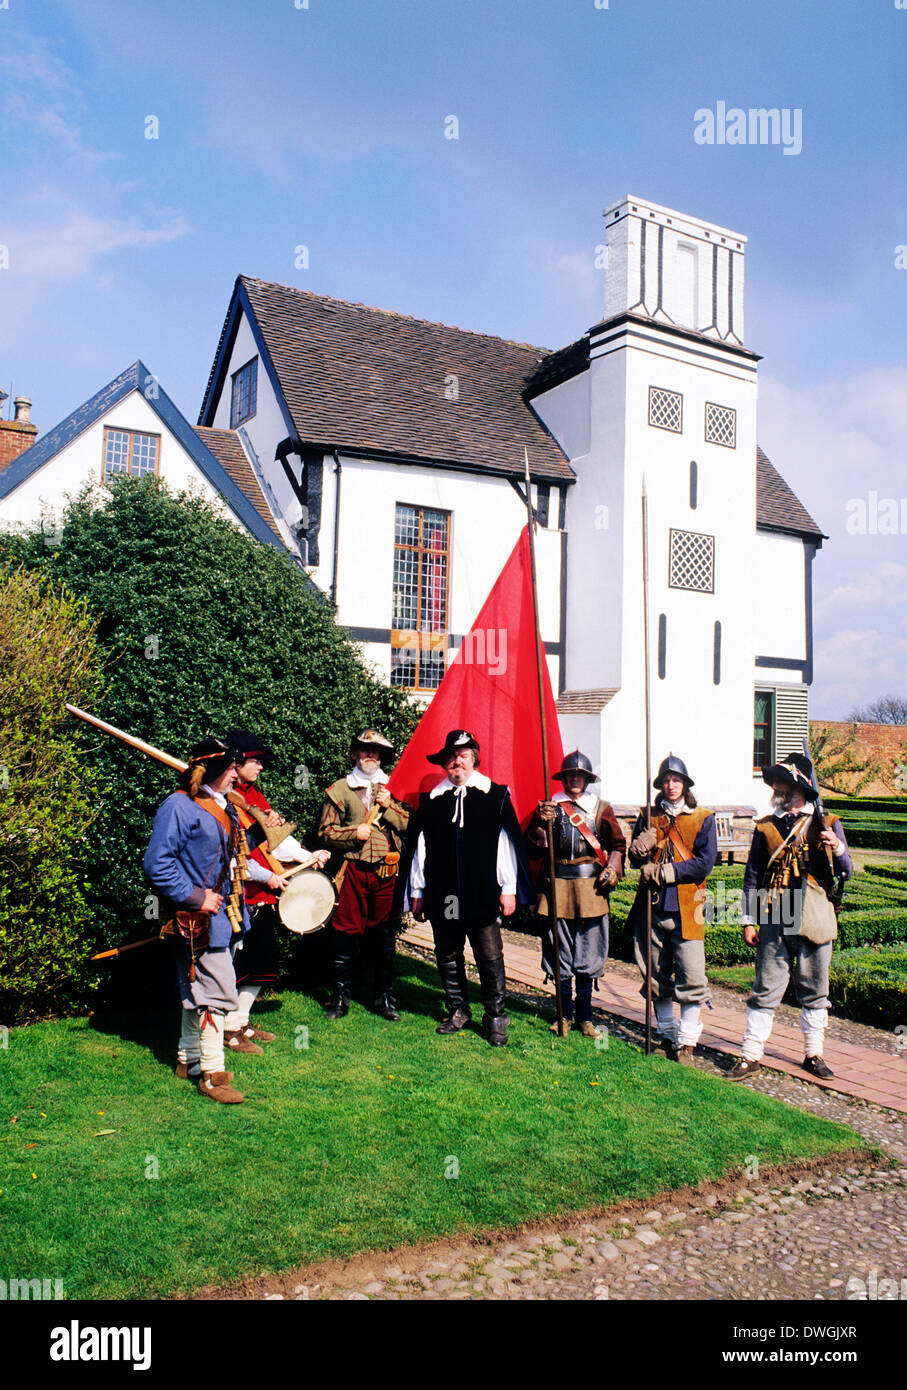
(208, 804)
(575, 817)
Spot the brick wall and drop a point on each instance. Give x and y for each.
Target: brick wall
(885, 744)
(15, 438)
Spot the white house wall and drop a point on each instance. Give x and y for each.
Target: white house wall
(81, 461)
(486, 519)
(266, 428)
(778, 618)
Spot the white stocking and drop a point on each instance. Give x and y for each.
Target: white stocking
(814, 1022)
(239, 1017)
(758, 1027)
(665, 1020)
(690, 1025)
(212, 1040)
(190, 1046)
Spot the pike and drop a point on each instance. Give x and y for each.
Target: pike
(837, 880)
(549, 829)
(648, 801)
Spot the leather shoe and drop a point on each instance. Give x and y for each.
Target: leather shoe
(743, 1067)
(817, 1067)
(257, 1035)
(455, 1021)
(237, 1041)
(216, 1086)
(684, 1055)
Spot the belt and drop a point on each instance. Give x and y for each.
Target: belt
(584, 869)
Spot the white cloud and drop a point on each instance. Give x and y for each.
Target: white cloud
(834, 443)
(63, 240)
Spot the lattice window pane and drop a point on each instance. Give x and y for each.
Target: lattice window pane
(116, 452)
(692, 562)
(419, 601)
(666, 409)
(245, 393)
(720, 425)
(144, 454)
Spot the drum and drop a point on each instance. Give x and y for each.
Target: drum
(307, 901)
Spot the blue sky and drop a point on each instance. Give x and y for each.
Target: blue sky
(324, 127)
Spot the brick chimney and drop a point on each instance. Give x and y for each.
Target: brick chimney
(18, 434)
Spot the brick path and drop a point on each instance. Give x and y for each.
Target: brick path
(859, 1071)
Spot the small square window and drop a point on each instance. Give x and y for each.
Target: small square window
(720, 425)
(245, 393)
(692, 562)
(666, 409)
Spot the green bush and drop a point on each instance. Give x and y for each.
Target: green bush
(202, 629)
(47, 797)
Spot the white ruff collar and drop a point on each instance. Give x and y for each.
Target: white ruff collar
(357, 778)
(475, 779)
(588, 802)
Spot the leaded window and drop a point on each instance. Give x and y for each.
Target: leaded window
(763, 730)
(244, 401)
(666, 409)
(420, 595)
(129, 451)
(691, 562)
(720, 425)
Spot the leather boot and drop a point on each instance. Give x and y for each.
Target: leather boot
(489, 954)
(384, 1008)
(339, 1005)
(495, 1029)
(216, 1086)
(346, 953)
(452, 970)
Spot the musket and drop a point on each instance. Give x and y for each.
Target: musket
(648, 801)
(837, 879)
(543, 725)
(274, 835)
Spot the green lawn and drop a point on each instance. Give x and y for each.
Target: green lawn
(347, 1144)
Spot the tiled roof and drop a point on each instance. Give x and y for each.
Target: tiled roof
(777, 507)
(230, 454)
(362, 378)
(584, 701)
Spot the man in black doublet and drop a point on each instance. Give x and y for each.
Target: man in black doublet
(468, 872)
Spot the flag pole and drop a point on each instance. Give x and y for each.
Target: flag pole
(543, 723)
(648, 801)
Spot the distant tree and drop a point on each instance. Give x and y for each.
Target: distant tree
(888, 709)
(202, 629)
(838, 767)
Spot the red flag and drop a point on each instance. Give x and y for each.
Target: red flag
(491, 689)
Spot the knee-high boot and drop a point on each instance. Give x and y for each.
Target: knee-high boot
(347, 946)
(452, 969)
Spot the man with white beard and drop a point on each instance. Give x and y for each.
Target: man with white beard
(789, 915)
(676, 857)
(371, 848)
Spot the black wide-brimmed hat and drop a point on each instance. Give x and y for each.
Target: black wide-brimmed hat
(576, 762)
(250, 746)
(456, 741)
(796, 771)
(212, 756)
(672, 766)
(370, 741)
